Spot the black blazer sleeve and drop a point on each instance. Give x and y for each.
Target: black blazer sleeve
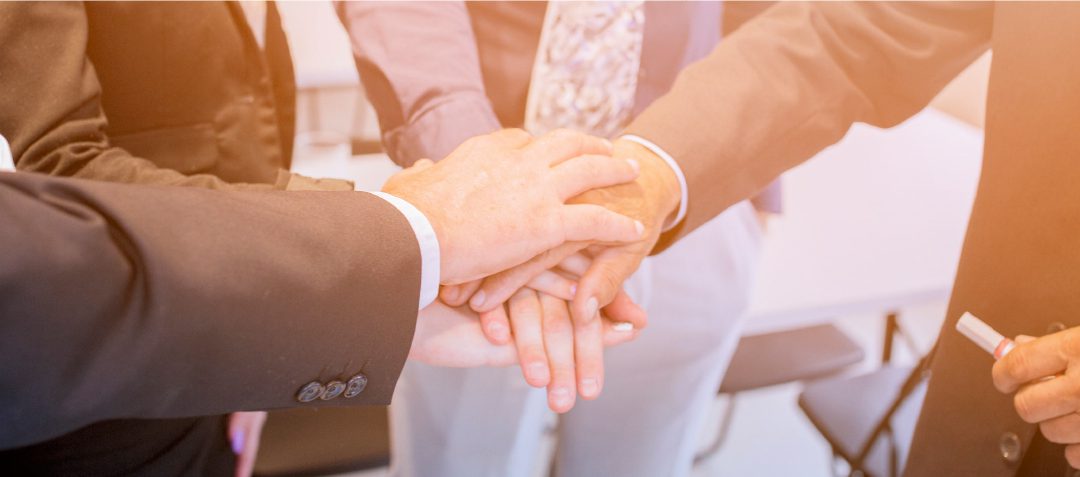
(123, 301)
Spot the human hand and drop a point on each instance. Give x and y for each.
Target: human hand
(651, 199)
(555, 352)
(245, 428)
(500, 199)
(1045, 374)
(543, 331)
(452, 337)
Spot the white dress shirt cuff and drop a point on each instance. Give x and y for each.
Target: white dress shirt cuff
(685, 195)
(429, 247)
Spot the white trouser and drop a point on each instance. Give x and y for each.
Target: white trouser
(487, 422)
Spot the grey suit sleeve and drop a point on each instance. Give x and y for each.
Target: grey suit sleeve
(421, 71)
(124, 301)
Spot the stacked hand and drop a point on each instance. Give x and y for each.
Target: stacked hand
(532, 304)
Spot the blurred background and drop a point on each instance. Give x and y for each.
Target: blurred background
(822, 374)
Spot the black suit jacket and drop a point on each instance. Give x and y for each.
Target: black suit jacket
(792, 81)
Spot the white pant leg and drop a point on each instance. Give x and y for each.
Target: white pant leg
(451, 422)
(657, 389)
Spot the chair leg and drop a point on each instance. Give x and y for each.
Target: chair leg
(721, 435)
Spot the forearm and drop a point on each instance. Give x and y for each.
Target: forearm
(792, 81)
(125, 301)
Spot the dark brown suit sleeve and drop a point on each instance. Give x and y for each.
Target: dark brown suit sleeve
(792, 81)
(50, 105)
(123, 301)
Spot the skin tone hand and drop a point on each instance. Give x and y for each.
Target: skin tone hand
(1045, 375)
(500, 199)
(555, 351)
(245, 429)
(652, 199)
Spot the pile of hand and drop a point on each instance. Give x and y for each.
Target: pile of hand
(536, 237)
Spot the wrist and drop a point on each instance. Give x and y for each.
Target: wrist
(658, 181)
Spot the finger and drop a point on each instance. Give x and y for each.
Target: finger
(603, 281)
(525, 316)
(245, 429)
(553, 284)
(589, 356)
(1045, 356)
(559, 344)
(1047, 399)
(576, 264)
(622, 309)
(1062, 430)
(593, 223)
(562, 144)
(1072, 454)
(498, 288)
(457, 295)
(584, 173)
(496, 325)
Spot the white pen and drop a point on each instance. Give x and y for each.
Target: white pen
(983, 335)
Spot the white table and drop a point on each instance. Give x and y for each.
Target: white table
(871, 224)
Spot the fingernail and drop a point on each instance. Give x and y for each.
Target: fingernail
(590, 308)
(238, 442)
(538, 371)
(589, 387)
(640, 227)
(560, 396)
(623, 326)
(634, 165)
(573, 291)
(477, 300)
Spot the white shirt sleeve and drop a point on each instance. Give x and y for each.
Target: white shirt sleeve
(6, 162)
(685, 195)
(429, 247)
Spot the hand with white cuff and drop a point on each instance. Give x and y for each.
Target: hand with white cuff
(500, 199)
(588, 276)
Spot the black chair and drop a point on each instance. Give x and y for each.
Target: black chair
(310, 442)
(781, 357)
(868, 420)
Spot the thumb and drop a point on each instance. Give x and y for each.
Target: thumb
(1021, 339)
(602, 281)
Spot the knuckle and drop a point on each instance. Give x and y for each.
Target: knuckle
(1051, 431)
(1017, 366)
(1070, 343)
(1025, 408)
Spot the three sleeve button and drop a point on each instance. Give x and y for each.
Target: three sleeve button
(355, 386)
(310, 392)
(333, 390)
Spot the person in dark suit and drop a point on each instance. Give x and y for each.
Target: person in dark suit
(191, 95)
(792, 81)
